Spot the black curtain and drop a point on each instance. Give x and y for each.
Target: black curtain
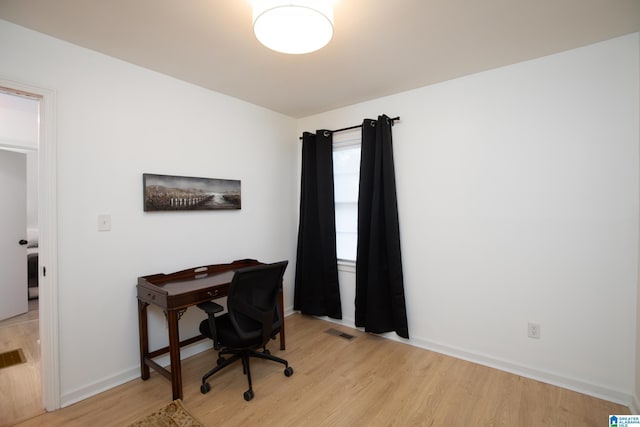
(316, 285)
(380, 302)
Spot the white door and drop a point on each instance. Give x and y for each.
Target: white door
(13, 228)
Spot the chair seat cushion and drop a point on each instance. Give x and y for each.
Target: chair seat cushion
(227, 337)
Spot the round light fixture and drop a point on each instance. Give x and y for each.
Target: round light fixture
(293, 27)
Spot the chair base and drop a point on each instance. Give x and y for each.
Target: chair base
(244, 355)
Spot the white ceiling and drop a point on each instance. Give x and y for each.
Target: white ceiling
(379, 47)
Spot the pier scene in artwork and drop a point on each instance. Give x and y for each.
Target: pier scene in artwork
(174, 193)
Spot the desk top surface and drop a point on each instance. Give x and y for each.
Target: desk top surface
(194, 279)
(176, 287)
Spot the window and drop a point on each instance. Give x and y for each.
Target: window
(346, 174)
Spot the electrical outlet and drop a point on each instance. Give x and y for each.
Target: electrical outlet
(534, 330)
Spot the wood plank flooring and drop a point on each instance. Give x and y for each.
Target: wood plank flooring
(20, 385)
(368, 381)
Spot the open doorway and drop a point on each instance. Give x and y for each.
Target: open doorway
(42, 206)
(20, 367)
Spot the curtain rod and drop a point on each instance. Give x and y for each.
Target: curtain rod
(357, 126)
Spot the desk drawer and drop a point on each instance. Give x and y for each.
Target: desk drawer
(152, 297)
(198, 296)
(212, 293)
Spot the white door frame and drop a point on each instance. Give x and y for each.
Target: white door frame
(47, 240)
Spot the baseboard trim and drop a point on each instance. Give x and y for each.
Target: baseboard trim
(81, 393)
(127, 375)
(552, 378)
(579, 386)
(635, 405)
(595, 390)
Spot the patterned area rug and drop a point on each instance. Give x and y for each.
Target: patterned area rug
(172, 415)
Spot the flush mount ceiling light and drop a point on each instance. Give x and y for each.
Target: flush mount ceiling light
(295, 26)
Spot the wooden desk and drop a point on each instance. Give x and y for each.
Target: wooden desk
(174, 293)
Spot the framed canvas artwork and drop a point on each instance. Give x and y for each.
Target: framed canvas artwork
(183, 193)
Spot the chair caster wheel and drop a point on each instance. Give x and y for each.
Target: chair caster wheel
(288, 371)
(205, 388)
(248, 395)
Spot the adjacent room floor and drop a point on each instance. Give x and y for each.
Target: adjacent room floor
(20, 385)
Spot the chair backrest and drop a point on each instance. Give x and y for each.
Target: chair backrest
(252, 301)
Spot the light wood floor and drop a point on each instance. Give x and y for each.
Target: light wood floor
(20, 386)
(368, 381)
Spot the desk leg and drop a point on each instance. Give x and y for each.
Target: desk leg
(282, 341)
(144, 338)
(174, 354)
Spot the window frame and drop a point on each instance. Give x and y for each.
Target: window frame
(342, 141)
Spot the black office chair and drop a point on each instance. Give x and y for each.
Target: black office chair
(254, 317)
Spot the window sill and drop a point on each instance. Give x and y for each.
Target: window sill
(347, 266)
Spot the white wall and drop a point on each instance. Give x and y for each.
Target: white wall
(19, 130)
(518, 192)
(116, 121)
(19, 122)
(518, 197)
(636, 408)
(33, 176)
(636, 400)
